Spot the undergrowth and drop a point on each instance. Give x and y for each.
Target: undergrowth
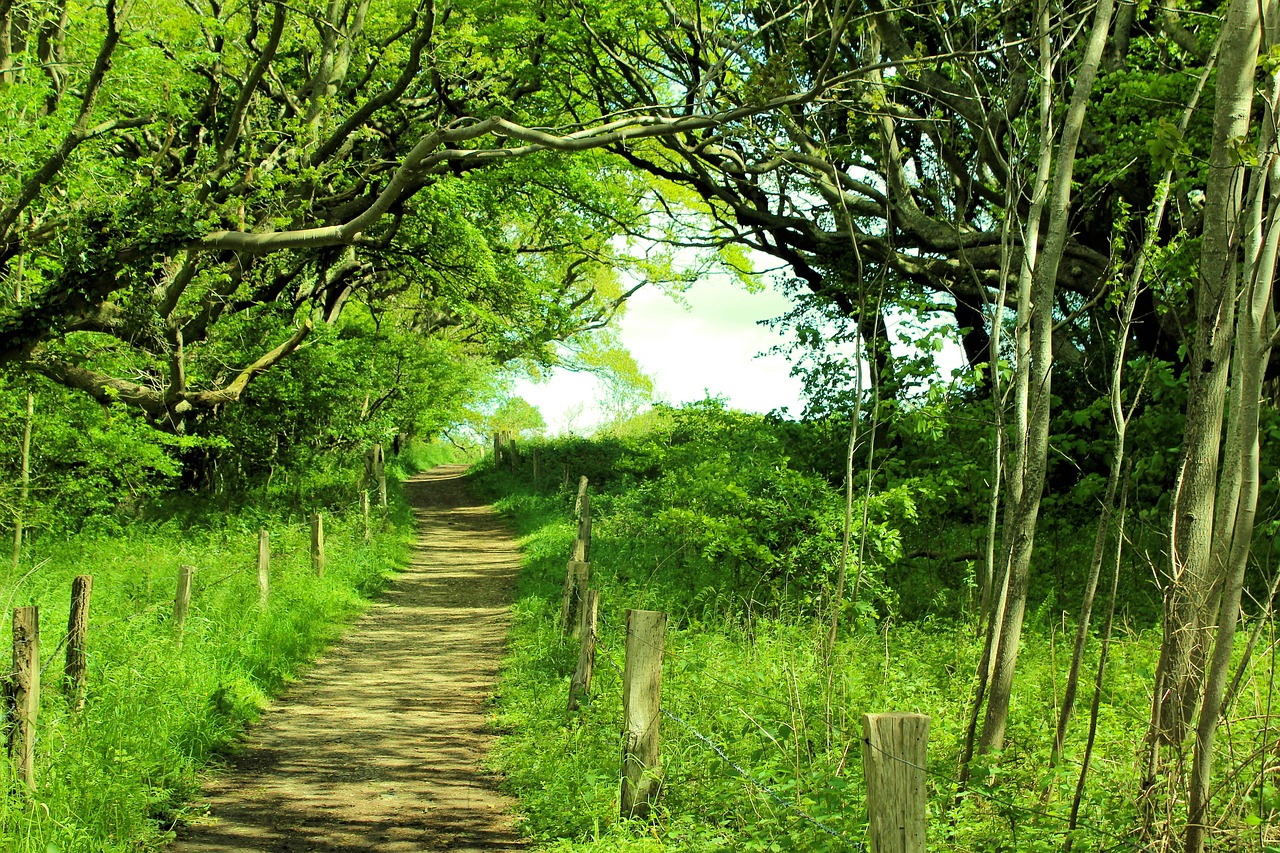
(751, 675)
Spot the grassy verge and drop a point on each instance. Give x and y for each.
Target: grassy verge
(119, 775)
(762, 689)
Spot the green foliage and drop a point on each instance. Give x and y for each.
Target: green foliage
(757, 682)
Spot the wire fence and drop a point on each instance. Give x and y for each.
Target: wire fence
(1111, 842)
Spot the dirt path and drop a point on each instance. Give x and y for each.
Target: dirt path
(380, 747)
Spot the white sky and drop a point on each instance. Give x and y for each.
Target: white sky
(712, 346)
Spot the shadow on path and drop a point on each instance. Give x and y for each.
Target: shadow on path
(381, 745)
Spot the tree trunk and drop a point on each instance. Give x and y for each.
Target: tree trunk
(1253, 342)
(1031, 452)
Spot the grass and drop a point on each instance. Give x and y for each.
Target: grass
(120, 775)
(762, 689)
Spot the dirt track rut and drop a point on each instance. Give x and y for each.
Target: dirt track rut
(381, 745)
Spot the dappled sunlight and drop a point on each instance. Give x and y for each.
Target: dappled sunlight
(382, 746)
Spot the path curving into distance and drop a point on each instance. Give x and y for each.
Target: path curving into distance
(381, 746)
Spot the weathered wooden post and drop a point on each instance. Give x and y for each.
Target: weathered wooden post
(182, 599)
(74, 672)
(582, 493)
(580, 685)
(577, 576)
(23, 693)
(584, 527)
(382, 475)
(317, 544)
(536, 465)
(497, 447)
(641, 712)
(894, 750)
(364, 513)
(264, 568)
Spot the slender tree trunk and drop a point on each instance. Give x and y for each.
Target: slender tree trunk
(1254, 336)
(1118, 417)
(1188, 584)
(1096, 704)
(1031, 455)
(1212, 504)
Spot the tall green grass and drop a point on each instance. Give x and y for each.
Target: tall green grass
(120, 775)
(761, 686)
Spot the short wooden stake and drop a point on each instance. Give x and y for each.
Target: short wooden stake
(182, 599)
(641, 712)
(23, 694)
(317, 544)
(74, 672)
(264, 568)
(576, 577)
(893, 761)
(580, 685)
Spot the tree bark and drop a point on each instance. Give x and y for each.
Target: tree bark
(1190, 574)
(1031, 453)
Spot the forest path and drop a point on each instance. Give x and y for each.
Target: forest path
(381, 746)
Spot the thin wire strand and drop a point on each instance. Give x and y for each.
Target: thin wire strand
(745, 774)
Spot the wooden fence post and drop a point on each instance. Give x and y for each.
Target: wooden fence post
(182, 599)
(584, 527)
(23, 693)
(580, 685)
(364, 513)
(577, 576)
(317, 544)
(893, 761)
(536, 466)
(641, 712)
(382, 475)
(264, 568)
(74, 672)
(582, 493)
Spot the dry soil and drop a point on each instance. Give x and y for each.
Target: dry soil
(382, 745)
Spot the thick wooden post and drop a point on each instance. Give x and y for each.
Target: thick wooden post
(317, 544)
(264, 568)
(74, 672)
(580, 685)
(497, 448)
(893, 761)
(641, 712)
(576, 577)
(182, 599)
(23, 693)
